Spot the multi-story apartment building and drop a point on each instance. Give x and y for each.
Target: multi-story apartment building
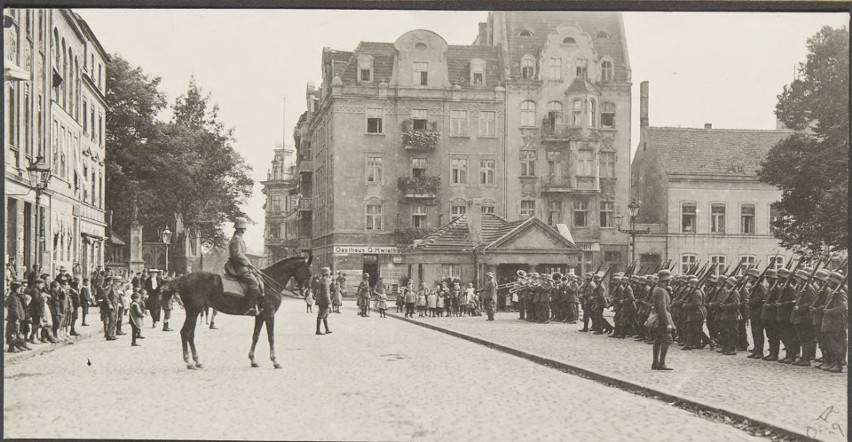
(402, 136)
(700, 196)
(279, 181)
(55, 79)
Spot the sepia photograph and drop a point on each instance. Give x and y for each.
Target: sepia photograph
(584, 224)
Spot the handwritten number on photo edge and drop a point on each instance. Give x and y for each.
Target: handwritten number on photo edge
(825, 414)
(812, 432)
(837, 427)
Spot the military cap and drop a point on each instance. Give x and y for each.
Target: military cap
(835, 277)
(653, 278)
(771, 273)
(44, 276)
(692, 281)
(732, 281)
(325, 271)
(589, 275)
(634, 278)
(821, 274)
(754, 272)
(489, 275)
(783, 273)
(664, 275)
(63, 269)
(366, 275)
(804, 274)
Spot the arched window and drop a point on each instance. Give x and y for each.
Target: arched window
(64, 75)
(569, 41)
(576, 112)
(554, 114)
(606, 71)
(528, 67)
(528, 113)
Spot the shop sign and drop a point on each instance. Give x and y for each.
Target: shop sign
(590, 247)
(397, 260)
(376, 250)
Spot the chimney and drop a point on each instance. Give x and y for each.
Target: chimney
(482, 37)
(643, 104)
(708, 126)
(474, 220)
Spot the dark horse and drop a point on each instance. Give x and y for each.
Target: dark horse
(201, 289)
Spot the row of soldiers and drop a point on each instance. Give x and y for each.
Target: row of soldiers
(802, 308)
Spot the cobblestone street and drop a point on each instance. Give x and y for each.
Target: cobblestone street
(783, 395)
(372, 379)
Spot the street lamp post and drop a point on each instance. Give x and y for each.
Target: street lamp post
(39, 173)
(632, 211)
(167, 239)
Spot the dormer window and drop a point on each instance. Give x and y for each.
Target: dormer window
(602, 35)
(525, 33)
(569, 41)
(528, 67)
(365, 69)
(477, 72)
(421, 73)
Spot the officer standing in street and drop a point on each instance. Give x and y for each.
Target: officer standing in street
(586, 301)
(323, 295)
(663, 325)
(364, 295)
(488, 295)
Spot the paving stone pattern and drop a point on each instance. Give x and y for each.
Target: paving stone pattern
(372, 379)
(779, 394)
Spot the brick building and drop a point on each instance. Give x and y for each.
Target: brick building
(400, 138)
(55, 115)
(700, 195)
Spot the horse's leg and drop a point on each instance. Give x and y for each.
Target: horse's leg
(188, 324)
(270, 334)
(191, 333)
(258, 324)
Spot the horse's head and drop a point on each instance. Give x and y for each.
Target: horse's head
(296, 267)
(170, 288)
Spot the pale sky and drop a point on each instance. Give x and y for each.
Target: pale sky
(709, 67)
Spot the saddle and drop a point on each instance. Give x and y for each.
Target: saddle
(233, 285)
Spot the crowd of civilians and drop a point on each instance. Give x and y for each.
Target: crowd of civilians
(44, 308)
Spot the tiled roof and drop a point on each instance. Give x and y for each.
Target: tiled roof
(730, 152)
(455, 235)
(581, 86)
(543, 23)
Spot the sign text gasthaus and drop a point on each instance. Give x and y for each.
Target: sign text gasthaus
(367, 249)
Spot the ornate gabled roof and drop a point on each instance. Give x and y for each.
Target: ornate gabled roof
(495, 230)
(581, 86)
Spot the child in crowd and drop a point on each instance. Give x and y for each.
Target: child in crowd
(455, 292)
(464, 300)
(309, 300)
(422, 300)
(442, 294)
(136, 315)
(382, 303)
(400, 301)
(410, 297)
(431, 303)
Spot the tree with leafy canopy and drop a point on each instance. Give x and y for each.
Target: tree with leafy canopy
(186, 166)
(810, 166)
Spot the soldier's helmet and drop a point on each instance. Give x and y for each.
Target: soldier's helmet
(564, 279)
(664, 275)
(489, 275)
(240, 223)
(325, 271)
(783, 273)
(754, 272)
(713, 278)
(804, 273)
(557, 276)
(821, 274)
(634, 278)
(589, 275)
(732, 281)
(835, 277)
(693, 281)
(522, 274)
(366, 275)
(771, 274)
(653, 279)
(598, 275)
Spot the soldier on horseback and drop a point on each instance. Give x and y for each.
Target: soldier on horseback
(238, 265)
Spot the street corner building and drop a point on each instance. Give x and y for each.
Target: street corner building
(701, 198)
(54, 132)
(532, 119)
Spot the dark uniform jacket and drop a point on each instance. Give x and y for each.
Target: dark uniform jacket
(729, 303)
(805, 298)
(617, 296)
(323, 294)
(694, 305)
(835, 313)
(628, 301)
(572, 292)
(661, 302)
(36, 304)
(488, 290)
(601, 300)
(755, 303)
(14, 308)
(769, 310)
(786, 302)
(818, 306)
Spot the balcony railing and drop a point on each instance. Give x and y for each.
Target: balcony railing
(305, 204)
(556, 184)
(425, 139)
(551, 130)
(421, 187)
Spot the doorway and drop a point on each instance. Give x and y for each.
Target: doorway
(371, 267)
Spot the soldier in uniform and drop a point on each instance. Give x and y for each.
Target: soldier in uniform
(601, 301)
(784, 309)
(742, 322)
(615, 303)
(323, 295)
(834, 324)
(488, 293)
(816, 311)
(587, 301)
(767, 315)
(728, 301)
(755, 302)
(663, 325)
(239, 265)
(572, 289)
(363, 293)
(628, 308)
(801, 318)
(109, 305)
(641, 292)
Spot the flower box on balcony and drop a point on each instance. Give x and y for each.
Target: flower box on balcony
(420, 139)
(424, 187)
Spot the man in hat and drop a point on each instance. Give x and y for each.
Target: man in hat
(784, 309)
(767, 315)
(488, 295)
(153, 286)
(587, 300)
(755, 302)
(662, 327)
(15, 314)
(601, 302)
(323, 300)
(239, 265)
(834, 324)
(109, 306)
(363, 293)
(63, 276)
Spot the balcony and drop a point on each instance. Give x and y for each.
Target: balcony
(563, 132)
(556, 184)
(305, 204)
(304, 244)
(420, 140)
(420, 187)
(305, 165)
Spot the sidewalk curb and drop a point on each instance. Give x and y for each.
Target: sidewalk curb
(38, 351)
(656, 393)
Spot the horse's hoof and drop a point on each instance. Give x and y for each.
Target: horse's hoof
(277, 365)
(254, 365)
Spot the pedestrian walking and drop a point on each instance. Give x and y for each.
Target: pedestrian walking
(152, 287)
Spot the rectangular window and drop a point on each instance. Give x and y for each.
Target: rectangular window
(418, 217)
(593, 113)
(555, 69)
(554, 213)
(586, 163)
(581, 212)
(374, 170)
(458, 123)
(374, 120)
(451, 271)
(365, 73)
(686, 261)
(717, 218)
(527, 208)
(527, 163)
(486, 171)
(747, 219)
(275, 203)
(487, 209)
(576, 113)
(487, 124)
(419, 119)
(606, 213)
(477, 74)
(608, 115)
(607, 164)
(776, 262)
(457, 211)
(374, 217)
(717, 263)
(421, 73)
(528, 114)
(687, 218)
(458, 170)
(418, 167)
(748, 260)
(581, 67)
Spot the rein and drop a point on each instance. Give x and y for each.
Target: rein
(273, 284)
